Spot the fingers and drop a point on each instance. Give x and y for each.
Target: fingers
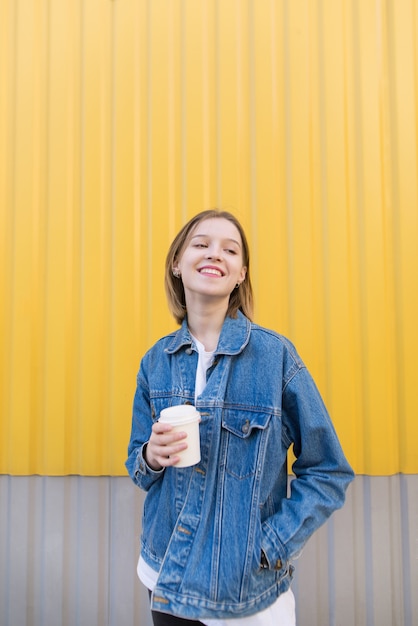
(163, 446)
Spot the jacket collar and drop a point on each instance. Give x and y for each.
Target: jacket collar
(235, 335)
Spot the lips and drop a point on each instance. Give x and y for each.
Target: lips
(211, 271)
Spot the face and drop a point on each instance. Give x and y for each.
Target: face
(211, 262)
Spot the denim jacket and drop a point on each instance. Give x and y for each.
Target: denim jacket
(205, 527)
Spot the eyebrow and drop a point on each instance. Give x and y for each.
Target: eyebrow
(225, 239)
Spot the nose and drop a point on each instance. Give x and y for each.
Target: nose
(214, 253)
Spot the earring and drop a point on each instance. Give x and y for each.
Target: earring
(237, 285)
(176, 273)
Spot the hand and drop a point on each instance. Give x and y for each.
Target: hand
(163, 445)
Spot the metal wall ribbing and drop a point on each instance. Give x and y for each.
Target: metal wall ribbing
(69, 547)
(120, 119)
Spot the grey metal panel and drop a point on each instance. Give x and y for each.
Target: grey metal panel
(361, 568)
(69, 547)
(68, 551)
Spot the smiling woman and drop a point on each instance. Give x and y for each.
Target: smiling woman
(256, 399)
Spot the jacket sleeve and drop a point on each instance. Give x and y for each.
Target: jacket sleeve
(321, 472)
(140, 472)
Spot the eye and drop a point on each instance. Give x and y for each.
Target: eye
(231, 251)
(199, 244)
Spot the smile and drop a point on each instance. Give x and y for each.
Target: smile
(211, 271)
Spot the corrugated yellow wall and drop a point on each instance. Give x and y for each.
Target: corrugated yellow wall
(119, 120)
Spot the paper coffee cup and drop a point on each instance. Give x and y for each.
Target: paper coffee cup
(184, 418)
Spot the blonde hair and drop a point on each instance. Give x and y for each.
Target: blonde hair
(241, 297)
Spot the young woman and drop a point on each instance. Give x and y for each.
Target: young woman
(218, 538)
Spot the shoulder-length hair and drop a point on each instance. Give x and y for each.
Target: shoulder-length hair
(241, 297)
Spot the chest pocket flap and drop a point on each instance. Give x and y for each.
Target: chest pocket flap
(242, 423)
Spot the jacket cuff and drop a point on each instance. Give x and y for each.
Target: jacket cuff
(141, 466)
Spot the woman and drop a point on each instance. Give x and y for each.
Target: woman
(219, 537)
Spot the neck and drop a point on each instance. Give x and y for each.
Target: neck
(206, 326)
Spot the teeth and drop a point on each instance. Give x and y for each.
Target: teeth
(210, 271)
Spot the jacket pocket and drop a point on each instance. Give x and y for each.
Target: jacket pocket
(244, 434)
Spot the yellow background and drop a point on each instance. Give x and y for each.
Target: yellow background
(121, 119)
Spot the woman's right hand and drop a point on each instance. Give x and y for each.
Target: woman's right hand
(163, 445)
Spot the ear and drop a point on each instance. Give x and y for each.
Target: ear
(243, 273)
(175, 270)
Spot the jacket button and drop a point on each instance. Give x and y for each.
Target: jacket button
(189, 350)
(246, 427)
(279, 564)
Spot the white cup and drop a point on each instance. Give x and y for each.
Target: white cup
(184, 418)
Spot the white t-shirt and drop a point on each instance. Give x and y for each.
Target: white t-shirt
(282, 611)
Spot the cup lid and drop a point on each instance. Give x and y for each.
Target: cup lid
(181, 413)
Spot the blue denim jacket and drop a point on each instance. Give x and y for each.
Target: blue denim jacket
(205, 527)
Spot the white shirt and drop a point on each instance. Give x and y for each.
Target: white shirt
(282, 611)
(203, 364)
